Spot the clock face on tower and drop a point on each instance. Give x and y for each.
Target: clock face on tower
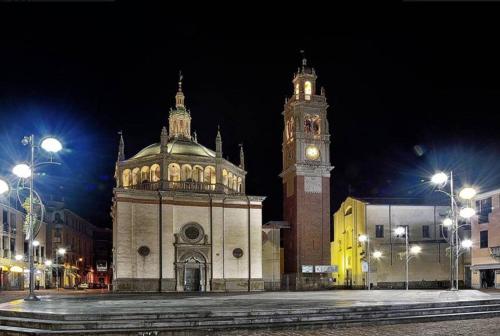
(312, 152)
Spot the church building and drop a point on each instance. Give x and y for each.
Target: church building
(181, 218)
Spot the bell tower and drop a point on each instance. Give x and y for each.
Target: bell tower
(306, 174)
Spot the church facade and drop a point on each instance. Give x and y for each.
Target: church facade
(181, 218)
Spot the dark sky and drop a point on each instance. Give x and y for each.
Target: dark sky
(412, 89)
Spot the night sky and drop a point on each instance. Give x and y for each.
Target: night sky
(412, 89)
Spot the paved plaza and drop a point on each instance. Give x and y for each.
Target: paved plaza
(346, 312)
(483, 327)
(75, 303)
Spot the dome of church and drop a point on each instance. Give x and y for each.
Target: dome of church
(179, 147)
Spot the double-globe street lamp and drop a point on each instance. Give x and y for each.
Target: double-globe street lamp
(376, 254)
(410, 252)
(441, 179)
(24, 172)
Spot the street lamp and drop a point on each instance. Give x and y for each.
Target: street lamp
(466, 193)
(60, 251)
(377, 254)
(25, 171)
(365, 239)
(409, 252)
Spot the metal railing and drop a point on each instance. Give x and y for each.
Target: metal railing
(189, 186)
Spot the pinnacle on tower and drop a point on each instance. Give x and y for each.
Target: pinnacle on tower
(242, 157)
(218, 143)
(121, 148)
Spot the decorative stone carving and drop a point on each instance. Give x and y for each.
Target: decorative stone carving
(312, 184)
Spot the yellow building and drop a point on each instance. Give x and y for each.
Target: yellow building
(349, 223)
(377, 218)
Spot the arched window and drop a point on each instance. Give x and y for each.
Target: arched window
(239, 184)
(224, 177)
(186, 173)
(235, 182)
(297, 91)
(135, 176)
(174, 172)
(155, 173)
(126, 178)
(348, 211)
(230, 180)
(308, 90)
(197, 174)
(144, 174)
(210, 175)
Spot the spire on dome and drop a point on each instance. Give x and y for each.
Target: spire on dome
(179, 97)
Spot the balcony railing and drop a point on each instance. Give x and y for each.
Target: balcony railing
(188, 186)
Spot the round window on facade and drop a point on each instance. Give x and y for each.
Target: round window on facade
(192, 233)
(237, 253)
(143, 251)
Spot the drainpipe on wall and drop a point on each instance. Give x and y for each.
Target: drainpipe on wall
(160, 238)
(249, 254)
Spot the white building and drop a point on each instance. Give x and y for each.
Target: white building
(181, 218)
(486, 240)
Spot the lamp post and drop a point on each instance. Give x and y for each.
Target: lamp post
(409, 252)
(48, 263)
(60, 252)
(25, 171)
(441, 180)
(365, 239)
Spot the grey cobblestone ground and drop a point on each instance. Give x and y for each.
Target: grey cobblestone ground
(479, 327)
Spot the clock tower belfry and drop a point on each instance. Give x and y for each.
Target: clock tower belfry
(306, 174)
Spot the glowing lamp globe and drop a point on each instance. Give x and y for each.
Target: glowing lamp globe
(447, 222)
(48, 262)
(467, 193)
(362, 238)
(22, 170)
(467, 212)
(377, 254)
(466, 243)
(51, 145)
(415, 249)
(36, 243)
(399, 230)
(439, 178)
(4, 187)
(61, 251)
(19, 257)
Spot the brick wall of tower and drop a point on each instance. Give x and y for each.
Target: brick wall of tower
(307, 242)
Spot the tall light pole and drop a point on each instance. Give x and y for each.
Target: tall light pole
(409, 252)
(467, 193)
(60, 252)
(25, 171)
(365, 239)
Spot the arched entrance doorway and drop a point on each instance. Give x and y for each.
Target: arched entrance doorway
(192, 272)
